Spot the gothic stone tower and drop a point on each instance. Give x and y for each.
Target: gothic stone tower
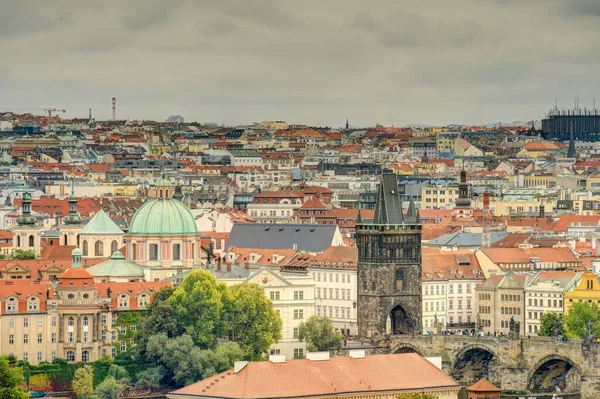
(389, 266)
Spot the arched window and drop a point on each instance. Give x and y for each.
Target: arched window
(161, 194)
(85, 356)
(66, 241)
(114, 246)
(31, 240)
(84, 248)
(85, 321)
(19, 241)
(176, 251)
(153, 251)
(99, 248)
(71, 321)
(134, 251)
(70, 356)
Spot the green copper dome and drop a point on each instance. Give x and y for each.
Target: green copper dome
(164, 216)
(163, 182)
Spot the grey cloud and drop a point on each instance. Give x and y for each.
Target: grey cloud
(589, 8)
(304, 61)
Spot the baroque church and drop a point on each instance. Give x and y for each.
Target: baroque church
(389, 266)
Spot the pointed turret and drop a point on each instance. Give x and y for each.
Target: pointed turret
(388, 206)
(26, 219)
(412, 214)
(73, 217)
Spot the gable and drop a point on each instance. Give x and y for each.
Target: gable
(266, 278)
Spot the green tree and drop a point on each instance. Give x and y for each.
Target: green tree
(110, 388)
(319, 335)
(199, 303)
(251, 320)
(23, 254)
(577, 318)
(11, 381)
(161, 317)
(83, 382)
(417, 395)
(117, 372)
(548, 321)
(180, 362)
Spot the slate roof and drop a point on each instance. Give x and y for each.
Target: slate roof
(388, 208)
(462, 239)
(306, 237)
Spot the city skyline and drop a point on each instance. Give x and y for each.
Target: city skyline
(304, 62)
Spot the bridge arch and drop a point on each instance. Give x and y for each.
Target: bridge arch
(474, 362)
(405, 347)
(554, 371)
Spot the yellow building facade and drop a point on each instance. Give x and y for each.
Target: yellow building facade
(586, 290)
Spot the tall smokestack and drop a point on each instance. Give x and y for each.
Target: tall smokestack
(114, 108)
(90, 114)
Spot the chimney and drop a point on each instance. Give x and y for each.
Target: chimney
(238, 366)
(357, 353)
(277, 358)
(247, 265)
(317, 356)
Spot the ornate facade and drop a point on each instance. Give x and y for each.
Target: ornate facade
(389, 266)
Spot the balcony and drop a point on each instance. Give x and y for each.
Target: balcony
(78, 302)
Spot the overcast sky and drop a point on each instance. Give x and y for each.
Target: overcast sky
(303, 61)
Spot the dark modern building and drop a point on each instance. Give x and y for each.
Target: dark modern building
(389, 266)
(585, 124)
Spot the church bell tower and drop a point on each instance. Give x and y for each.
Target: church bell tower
(389, 266)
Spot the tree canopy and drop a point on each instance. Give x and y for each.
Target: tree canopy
(23, 254)
(577, 318)
(319, 334)
(548, 322)
(11, 381)
(83, 382)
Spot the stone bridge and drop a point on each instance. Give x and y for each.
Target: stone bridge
(519, 366)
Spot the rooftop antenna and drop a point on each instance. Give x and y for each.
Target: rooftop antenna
(594, 103)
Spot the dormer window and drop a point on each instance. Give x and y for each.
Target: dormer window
(143, 301)
(33, 304)
(123, 301)
(11, 305)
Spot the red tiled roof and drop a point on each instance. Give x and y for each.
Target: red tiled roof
(337, 376)
(483, 385)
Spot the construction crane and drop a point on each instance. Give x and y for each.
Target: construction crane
(47, 111)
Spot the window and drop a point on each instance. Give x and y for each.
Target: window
(71, 336)
(123, 330)
(295, 332)
(134, 251)
(114, 246)
(53, 355)
(26, 322)
(39, 356)
(103, 335)
(26, 356)
(84, 248)
(53, 337)
(11, 339)
(298, 353)
(71, 321)
(298, 295)
(298, 313)
(85, 356)
(123, 301)
(39, 338)
(70, 356)
(40, 321)
(86, 321)
(113, 352)
(103, 319)
(85, 336)
(153, 251)
(99, 248)
(123, 346)
(32, 305)
(133, 327)
(11, 322)
(113, 335)
(176, 251)
(25, 338)
(274, 295)
(143, 301)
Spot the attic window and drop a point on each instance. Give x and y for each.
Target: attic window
(71, 296)
(393, 192)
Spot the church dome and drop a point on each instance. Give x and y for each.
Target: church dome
(163, 182)
(163, 216)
